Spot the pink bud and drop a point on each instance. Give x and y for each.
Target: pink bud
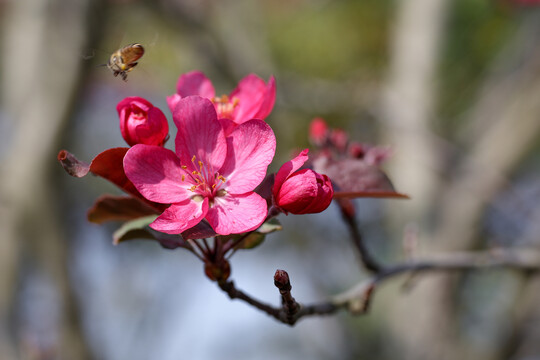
(318, 131)
(141, 122)
(339, 139)
(301, 191)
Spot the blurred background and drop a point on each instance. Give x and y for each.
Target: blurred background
(452, 85)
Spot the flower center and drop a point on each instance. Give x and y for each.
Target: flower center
(137, 113)
(225, 106)
(206, 182)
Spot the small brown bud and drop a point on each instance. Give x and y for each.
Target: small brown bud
(281, 280)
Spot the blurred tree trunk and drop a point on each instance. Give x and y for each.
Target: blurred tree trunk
(407, 109)
(409, 100)
(41, 71)
(503, 125)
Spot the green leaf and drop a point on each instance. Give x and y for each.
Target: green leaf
(134, 229)
(257, 237)
(270, 226)
(252, 240)
(139, 229)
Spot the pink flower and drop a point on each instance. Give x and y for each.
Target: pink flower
(301, 192)
(141, 122)
(210, 176)
(252, 98)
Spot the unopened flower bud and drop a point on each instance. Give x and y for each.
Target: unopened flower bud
(357, 150)
(301, 192)
(339, 139)
(141, 122)
(318, 131)
(281, 280)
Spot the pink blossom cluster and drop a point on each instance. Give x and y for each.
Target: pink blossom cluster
(223, 148)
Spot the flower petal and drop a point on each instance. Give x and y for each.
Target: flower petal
(199, 134)
(256, 98)
(195, 83)
(133, 102)
(228, 126)
(153, 130)
(172, 101)
(180, 216)
(251, 148)
(269, 98)
(236, 214)
(288, 168)
(156, 173)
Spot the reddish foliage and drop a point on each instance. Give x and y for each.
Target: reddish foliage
(109, 165)
(118, 208)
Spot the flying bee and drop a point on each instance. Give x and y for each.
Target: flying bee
(125, 59)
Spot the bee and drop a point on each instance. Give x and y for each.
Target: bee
(125, 59)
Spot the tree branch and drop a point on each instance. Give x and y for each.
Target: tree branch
(234, 293)
(357, 299)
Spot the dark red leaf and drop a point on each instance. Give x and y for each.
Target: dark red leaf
(110, 165)
(118, 208)
(168, 241)
(72, 165)
(355, 178)
(200, 231)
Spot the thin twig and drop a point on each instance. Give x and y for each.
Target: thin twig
(369, 262)
(234, 293)
(207, 247)
(194, 247)
(514, 259)
(233, 244)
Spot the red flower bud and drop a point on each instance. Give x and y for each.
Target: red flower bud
(318, 131)
(357, 150)
(141, 122)
(339, 139)
(301, 192)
